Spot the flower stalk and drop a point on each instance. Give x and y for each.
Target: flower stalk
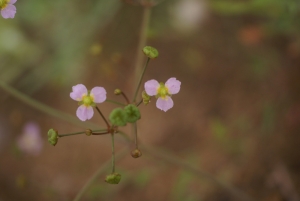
(106, 122)
(140, 80)
(113, 151)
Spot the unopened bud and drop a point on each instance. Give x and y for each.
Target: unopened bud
(113, 178)
(52, 136)
(88, 132)
(136, 153)
(117, 91)
(146, 98)
(150, 52)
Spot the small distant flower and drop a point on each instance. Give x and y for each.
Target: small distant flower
(30, 141)
(87, 100)
(163, 92)
(188, 15)
(8, 10)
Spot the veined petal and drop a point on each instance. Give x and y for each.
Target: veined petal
(173, 85)
(12, 1)
(79, 90)
(9, 11)
(84, 113)
(151, 87)
(99, 94)
(164, 104)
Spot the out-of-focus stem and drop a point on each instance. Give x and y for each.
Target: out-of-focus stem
(141, 44)
(140, 80)
(170, 158)
(114, 102)
(113, 152)
(44, 108)
(100, 171)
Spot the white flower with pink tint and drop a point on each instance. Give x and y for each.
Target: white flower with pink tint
(163, 92)
(31, 141)
(87, 100)
(7, 9)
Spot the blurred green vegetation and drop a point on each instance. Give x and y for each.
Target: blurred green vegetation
(279, 16)
(48, 41)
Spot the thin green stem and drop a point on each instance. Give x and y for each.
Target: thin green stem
(78, 133)
(64, 135)
(115, 102)
(102, 169)
(139, 103)
(125, 97)
(113, 152)
(140, 80)
(107, 124)
(100, 133)
(141, 44)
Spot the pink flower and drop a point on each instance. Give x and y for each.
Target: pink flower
(30, 141)
(87, 100)
(8, 10)
(163, 92)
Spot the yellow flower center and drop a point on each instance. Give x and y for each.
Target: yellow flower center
(87, 100)
(3, 4)
(162, 91)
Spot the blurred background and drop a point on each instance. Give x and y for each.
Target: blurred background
(237, 115)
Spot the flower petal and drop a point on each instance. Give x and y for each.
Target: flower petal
(12, 1)
(99, 94)
(9, 11)
(151, 87)
(173, 85)
(83, 112)
(79, 90)
(164, 104)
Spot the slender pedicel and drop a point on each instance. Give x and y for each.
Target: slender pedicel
(139, 103)
(140, 80)
(107, 124)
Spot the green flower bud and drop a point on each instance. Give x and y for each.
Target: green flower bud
(52, 136)
(118, 117)
(117, 91)
(88, 132)
(146, 98)
(113, 178)
(150, 52)
(133, 113)
(136, 153)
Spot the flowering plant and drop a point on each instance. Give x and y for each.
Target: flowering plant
(120, 116)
